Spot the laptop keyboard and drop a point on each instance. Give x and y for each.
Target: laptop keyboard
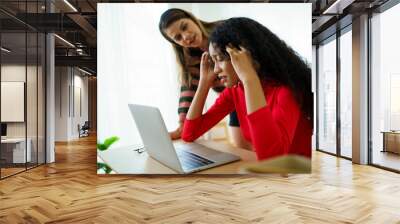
(190, 160)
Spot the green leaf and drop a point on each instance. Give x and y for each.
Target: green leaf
(108, 170)
(100, 165)
(104, 167)
(101, 147)
(107, 143)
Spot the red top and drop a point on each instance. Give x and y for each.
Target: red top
(277, 129)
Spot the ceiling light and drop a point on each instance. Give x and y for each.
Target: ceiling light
(70, 5)
(338, 6)
(79, 51)
(5, 50)
(84, 71)
(65, 41)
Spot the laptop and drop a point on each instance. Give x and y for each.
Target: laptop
(183, 158)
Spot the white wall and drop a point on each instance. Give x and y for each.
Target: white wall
(33, 127)
(12, 73)
(80, 83)
(135, 65)
(68, 81)
(289, 21)
(61, 103)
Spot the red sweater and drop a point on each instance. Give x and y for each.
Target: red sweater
(277, 129)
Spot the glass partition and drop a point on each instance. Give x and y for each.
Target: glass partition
(23, 91)
(385, 89)
(13, 105)
(327, 96)
(346, 93)
(32, 95)
(41, 107)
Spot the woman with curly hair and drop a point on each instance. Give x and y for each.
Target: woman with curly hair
(268, 85)
(189, 38)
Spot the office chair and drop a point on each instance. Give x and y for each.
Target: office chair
(84, 130)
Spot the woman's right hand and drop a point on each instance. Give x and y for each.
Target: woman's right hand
(207, 76)
(177, 133)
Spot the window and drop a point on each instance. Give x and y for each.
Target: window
(346, 93)
(327, 96)
(385, 89)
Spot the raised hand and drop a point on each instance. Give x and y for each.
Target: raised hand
(244, 67)
(207, 76)
(242, 62)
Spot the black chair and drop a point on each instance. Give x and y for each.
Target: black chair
(84, 130)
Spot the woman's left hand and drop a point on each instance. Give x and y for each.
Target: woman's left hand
(242, 63)
(244, 67)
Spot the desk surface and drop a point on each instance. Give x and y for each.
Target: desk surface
(13, 140)
(125, 160)
(390, 132)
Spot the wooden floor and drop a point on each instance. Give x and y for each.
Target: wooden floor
(10, 171)
(5, 172)
(69, 191)
(387, 159)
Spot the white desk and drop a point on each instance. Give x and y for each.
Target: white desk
(124, 160)
(18, 150)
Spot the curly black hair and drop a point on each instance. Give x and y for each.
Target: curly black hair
(275, 59)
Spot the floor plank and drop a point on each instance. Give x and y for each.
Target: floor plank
(70, 191)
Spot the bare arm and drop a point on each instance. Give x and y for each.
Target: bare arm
(244, 67)
(196, 109)
(254, 95)
(206, 80)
